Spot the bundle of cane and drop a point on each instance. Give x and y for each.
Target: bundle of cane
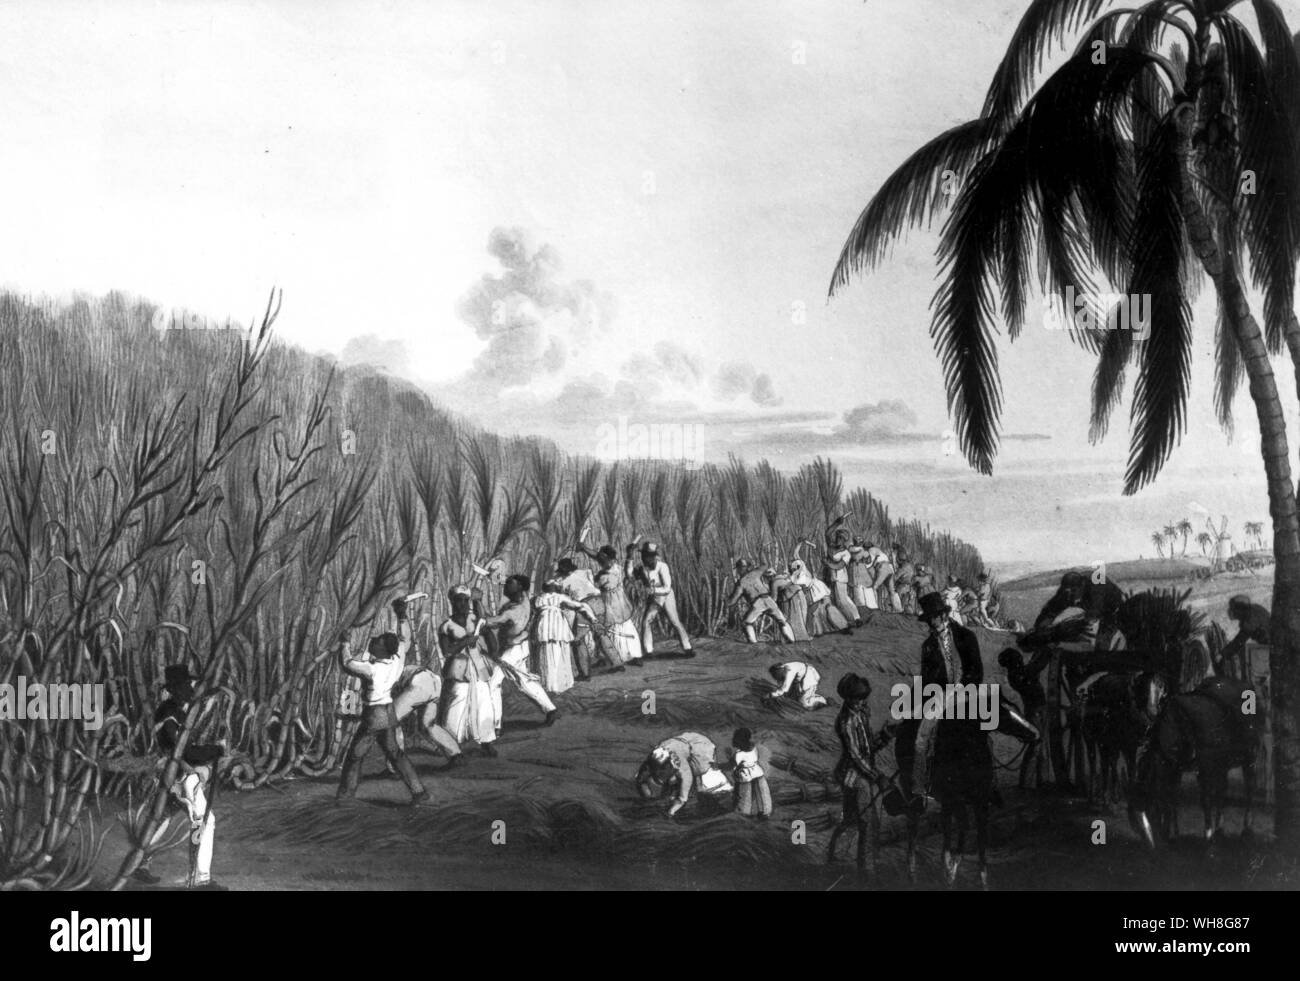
(1063, 631)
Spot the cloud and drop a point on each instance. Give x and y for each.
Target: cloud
(883, 420)
(550, 355)
(530, 318)
(740, 379)
(375, 352)
(889, 422)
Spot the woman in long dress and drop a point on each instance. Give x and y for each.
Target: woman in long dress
(553, 637)
(467, 708)
(617, 630)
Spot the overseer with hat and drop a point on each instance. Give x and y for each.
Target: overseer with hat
(950, 655)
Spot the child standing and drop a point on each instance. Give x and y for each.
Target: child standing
(753, 796)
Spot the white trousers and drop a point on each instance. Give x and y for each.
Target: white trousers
(513, 664)
(203, 824)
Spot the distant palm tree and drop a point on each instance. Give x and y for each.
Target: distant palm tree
(1205, 540)
(1158, 540)
(1163, 152)
(1171, 535)
(1255, 531)
(1185, 529)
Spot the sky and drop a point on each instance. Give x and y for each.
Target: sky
(564, 218)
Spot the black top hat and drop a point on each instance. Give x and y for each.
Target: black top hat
(932, 605)
(853, 686)
(175, 675)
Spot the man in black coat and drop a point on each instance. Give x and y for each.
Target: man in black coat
(949, 655)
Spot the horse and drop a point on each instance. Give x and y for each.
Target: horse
(1210, 729)
(962, 781)
(1114, 711)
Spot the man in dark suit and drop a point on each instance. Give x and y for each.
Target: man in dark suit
(949, 655)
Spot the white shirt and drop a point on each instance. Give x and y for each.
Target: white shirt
(798, 677)
(381, 676)
(659, 578)
(747, 768)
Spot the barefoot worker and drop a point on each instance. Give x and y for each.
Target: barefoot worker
(467, 671)
(509, 630)
(835, 570)
(754, 590)
(617, 634)
(798, 682)
(379, 670)
(660, 598)
(553, 637)
(856, 772)
(679, 765)
(197, 770)
(578, 585)
(419, 687)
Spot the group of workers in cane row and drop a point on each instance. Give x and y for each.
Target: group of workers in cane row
(580, 619)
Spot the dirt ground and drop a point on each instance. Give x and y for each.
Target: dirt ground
(572, 818)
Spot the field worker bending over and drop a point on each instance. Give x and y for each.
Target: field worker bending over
(379, 671)
(468, 672)
(510, 630)
(753, 586)
(797, 681)
(679, 765)
(198, 765)
(883, 579)
(420, 688)
(660, 598)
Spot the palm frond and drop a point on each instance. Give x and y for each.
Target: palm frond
(1267, 137)
(1044, 26)
(1108, 380)
(1159, 412)
(911, 197)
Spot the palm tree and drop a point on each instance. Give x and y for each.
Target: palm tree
(1158, 540)
(1205, 540)
(1185, 529)
(1162, 153)
(1255, 531)
(1171, 535)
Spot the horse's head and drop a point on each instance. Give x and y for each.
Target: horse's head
(1150, 690)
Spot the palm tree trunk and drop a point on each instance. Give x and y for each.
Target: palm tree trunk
(1284, 659)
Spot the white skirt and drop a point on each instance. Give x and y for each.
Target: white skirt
(556, 664)
(627, 642)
